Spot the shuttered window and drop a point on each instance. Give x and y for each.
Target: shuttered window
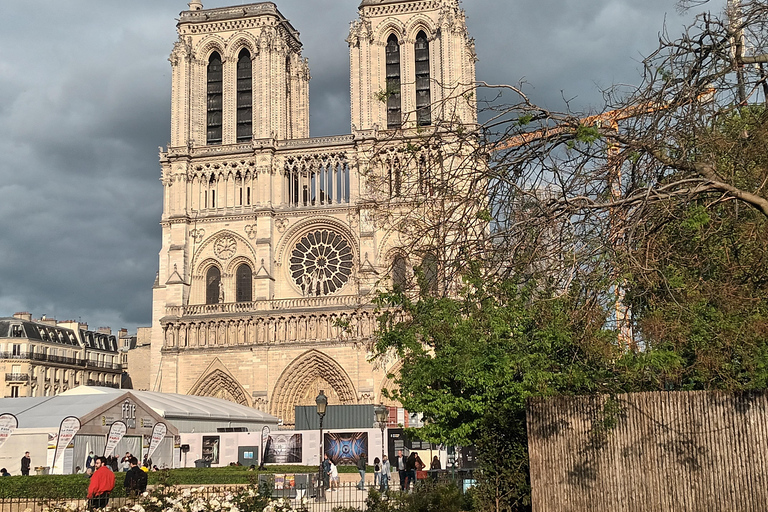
(214, 104)
(244, 97)
(394, 108)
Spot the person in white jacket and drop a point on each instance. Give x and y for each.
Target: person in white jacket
(334, 477)
(385, 473)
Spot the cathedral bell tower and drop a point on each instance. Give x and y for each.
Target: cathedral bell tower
(412, 63)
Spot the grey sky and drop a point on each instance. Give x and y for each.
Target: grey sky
(84, 104)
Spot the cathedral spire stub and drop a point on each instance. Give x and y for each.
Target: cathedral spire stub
(195, 5)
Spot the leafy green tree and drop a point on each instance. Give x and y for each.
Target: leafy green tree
(470, 364)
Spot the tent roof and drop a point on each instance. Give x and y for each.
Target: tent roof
(172, 405)
(48, 411)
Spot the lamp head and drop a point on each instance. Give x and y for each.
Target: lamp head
(322, 402)
(381, 413)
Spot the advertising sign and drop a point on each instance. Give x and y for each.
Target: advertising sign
(158, 433)
(8, 424)
(67, 430)
(116, 433)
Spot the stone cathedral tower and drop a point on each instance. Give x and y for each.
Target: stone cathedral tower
(270, 246)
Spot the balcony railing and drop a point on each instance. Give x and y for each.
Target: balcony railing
(102, 384)
(16, 377)
(265, 305)
(71, 361)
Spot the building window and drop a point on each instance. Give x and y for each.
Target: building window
(244, 97)
(16, 349)
(394, 108)
(423, 95)
(244, 279)
(395, 178)
(214, 98)
(213, 291)
(399, 275)
(14, 391)
(429, 269)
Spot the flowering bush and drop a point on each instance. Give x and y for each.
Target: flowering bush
(165, 498)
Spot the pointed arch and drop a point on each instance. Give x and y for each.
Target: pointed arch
(301, 381)
(388, 382)
(216, 381)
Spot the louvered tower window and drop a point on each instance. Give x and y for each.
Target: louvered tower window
(244, 283)
(214, 99)
(212, 285)
(244, 97)
(394, 108)
(423, 96)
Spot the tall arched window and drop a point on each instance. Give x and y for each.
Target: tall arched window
(399, 276)
(244, 283)
(429, 269)
(423, 95)
(213, 290)
(244, 97)
(214, 98)
(394, 119)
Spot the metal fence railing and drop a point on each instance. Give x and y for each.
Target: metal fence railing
(298, 493)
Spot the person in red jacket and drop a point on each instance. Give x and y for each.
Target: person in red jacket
(102, 483)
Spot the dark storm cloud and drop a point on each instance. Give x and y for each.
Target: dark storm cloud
(84, 104)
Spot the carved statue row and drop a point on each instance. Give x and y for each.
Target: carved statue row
(270, 330)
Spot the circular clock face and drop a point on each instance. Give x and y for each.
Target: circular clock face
(321, 263)
(225, 247)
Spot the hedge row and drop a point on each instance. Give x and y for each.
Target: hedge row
(76, 486)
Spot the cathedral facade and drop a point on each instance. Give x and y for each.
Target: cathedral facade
(272, 241)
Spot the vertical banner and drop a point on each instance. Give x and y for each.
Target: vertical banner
(158, 433)
(8, 423)
(67, 430)
(116, 432)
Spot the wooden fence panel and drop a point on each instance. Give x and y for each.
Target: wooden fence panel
(641, 452)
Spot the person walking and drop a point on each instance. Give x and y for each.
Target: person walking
(90, 460)
(400, 465)
(435, 467)
(334, 477)
(410, 471)
(102, 483)
(125, 462)
(326, 472)
(362, 462)
(376, 471)
(26, 461)
(385, 471)
(135, 479)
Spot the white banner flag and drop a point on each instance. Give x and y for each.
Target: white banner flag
(158, 433)
(116, 433)
(8, 424)
(67, 430)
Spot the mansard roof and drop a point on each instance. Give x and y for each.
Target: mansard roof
(11, 327)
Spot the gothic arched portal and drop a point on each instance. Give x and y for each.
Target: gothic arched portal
(217, 382)
(303, 379)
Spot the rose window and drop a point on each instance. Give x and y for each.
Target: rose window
(321, 263)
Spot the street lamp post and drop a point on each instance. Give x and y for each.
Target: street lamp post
(381, 413)
(322, 403)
